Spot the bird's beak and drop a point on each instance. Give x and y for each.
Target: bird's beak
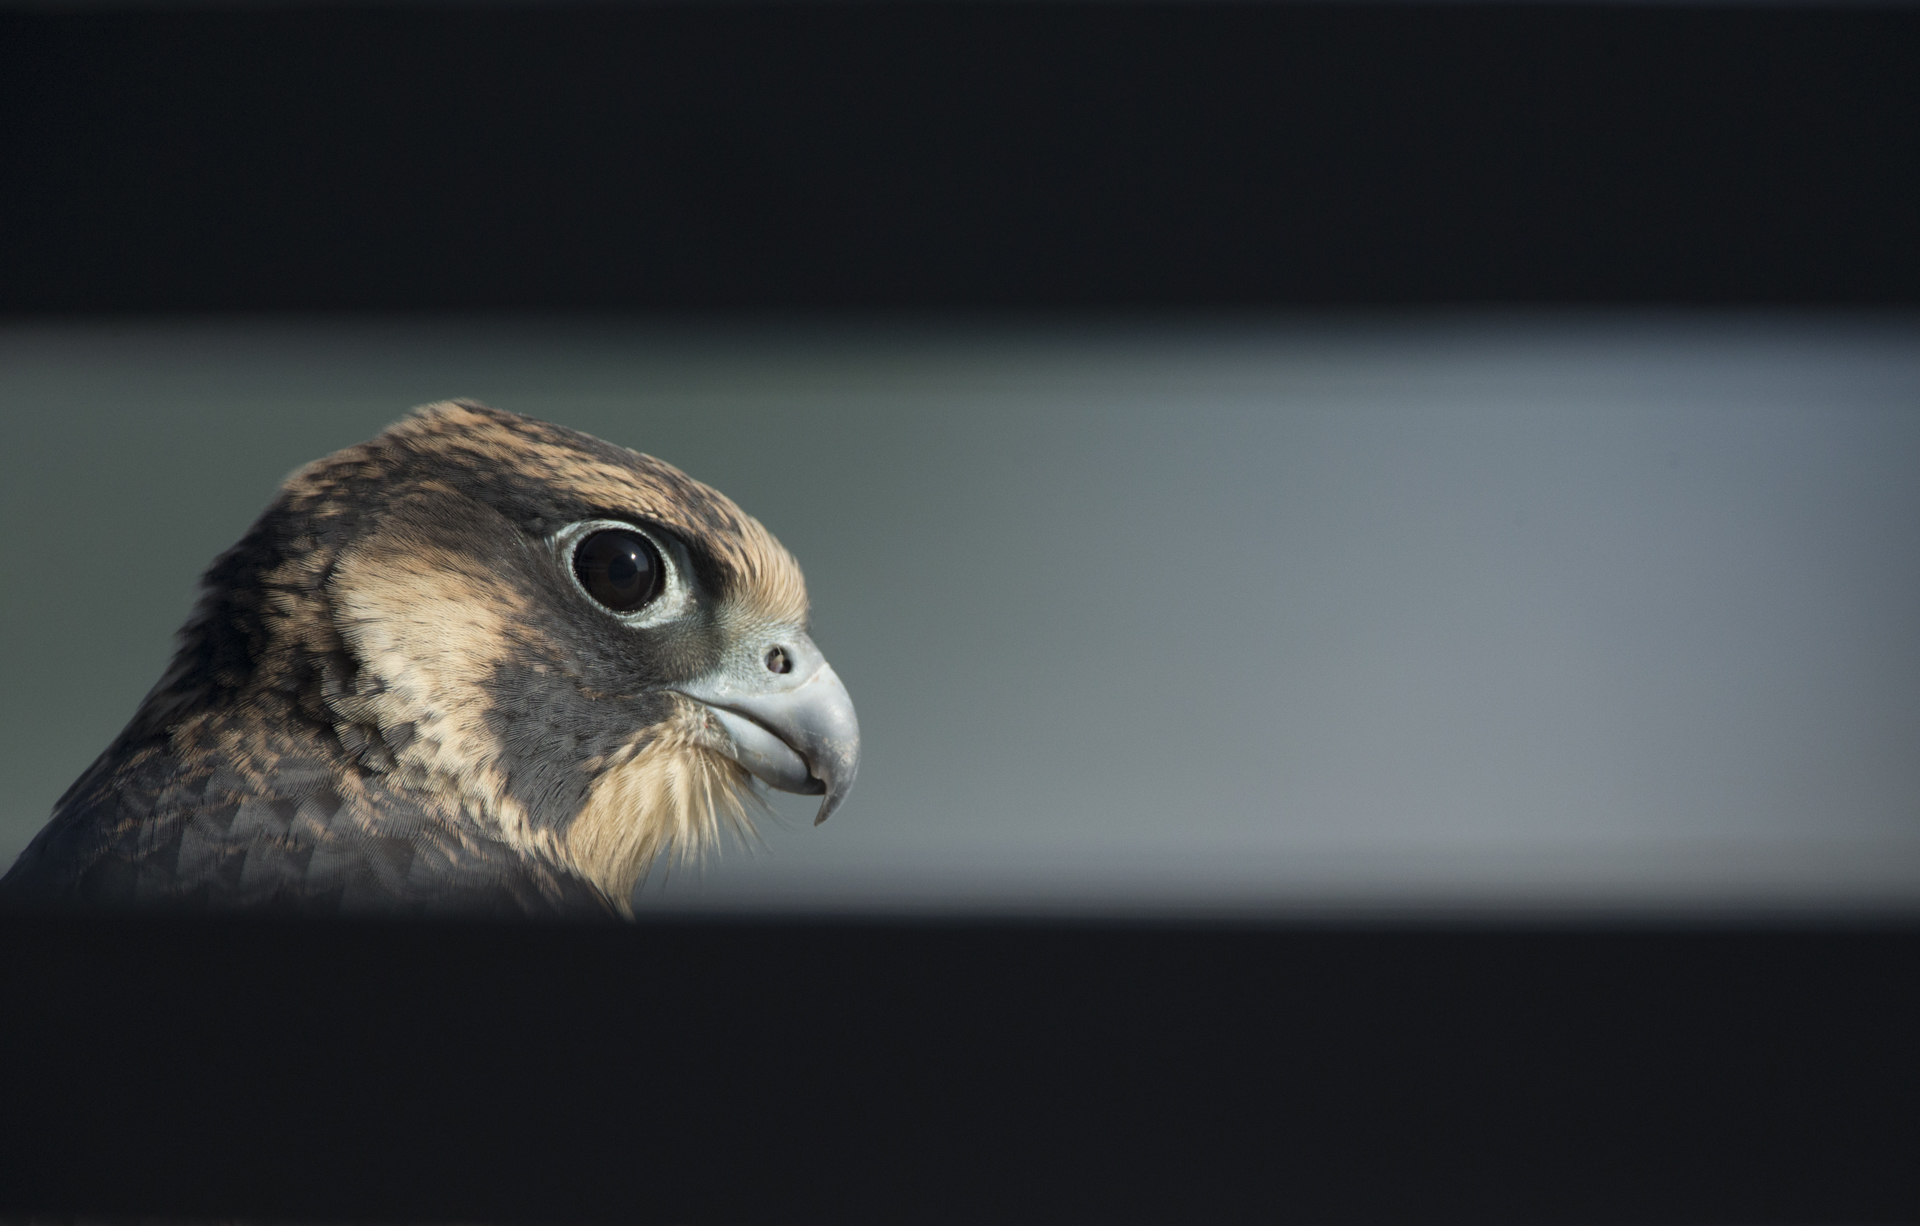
(795, 731)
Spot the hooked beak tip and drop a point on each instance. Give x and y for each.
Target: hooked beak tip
(805, 739)
(829, 803)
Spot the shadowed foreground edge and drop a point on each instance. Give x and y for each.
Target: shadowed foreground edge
(774, 1071)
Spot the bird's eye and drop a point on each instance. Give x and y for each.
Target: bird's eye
(619, 569)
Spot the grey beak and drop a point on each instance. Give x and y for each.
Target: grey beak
(795, 732)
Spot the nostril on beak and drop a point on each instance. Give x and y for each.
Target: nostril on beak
(778, 661)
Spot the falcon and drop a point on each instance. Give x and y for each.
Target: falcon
(480, 664)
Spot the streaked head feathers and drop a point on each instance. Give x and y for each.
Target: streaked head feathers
(407, 613)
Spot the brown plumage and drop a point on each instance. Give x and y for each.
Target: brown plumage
(409, 688)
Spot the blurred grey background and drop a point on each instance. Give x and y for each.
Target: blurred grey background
(1429, 614)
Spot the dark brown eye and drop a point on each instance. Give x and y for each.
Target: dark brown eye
(619, 569)
(777, 661)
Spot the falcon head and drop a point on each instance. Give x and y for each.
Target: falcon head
(566, 645)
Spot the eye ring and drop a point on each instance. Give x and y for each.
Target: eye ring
(619, 568)
(673, 597)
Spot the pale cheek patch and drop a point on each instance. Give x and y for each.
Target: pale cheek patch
(426, 634)
(672, 797)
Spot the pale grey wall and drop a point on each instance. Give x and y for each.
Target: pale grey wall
(1391, 613)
